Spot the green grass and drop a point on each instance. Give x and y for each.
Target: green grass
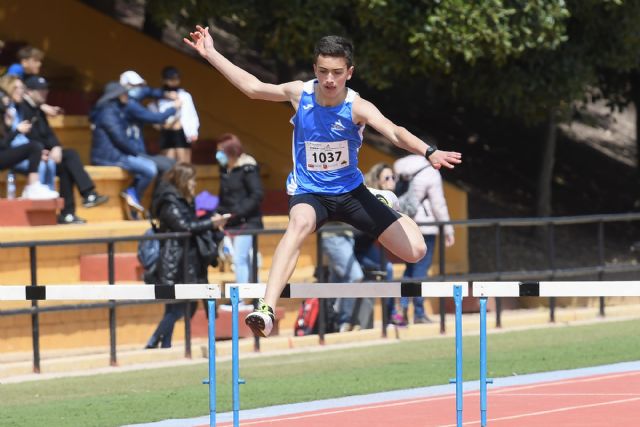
(151, 395)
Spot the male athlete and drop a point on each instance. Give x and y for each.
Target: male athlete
(325, 183)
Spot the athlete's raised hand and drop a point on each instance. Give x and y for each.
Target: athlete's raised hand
(201, 40)
(445, 158)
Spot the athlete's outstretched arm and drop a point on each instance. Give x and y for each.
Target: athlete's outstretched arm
(364, 112)
(246, 82)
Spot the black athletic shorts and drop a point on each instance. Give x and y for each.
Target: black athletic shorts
(170, 138)
(359, 208)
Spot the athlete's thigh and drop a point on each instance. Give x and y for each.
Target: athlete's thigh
(363, 210)
(303, 207)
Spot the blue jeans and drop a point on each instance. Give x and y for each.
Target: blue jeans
(144, 171)
(371, 260)
(419, 270)
(46, 171)
(242, 245)
(343, 267)
(172, 313)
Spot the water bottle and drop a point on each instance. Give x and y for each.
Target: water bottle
(11, 186)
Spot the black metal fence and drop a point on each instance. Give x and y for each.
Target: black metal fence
(545, 229)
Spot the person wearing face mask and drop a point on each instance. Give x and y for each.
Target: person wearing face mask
(240, 193)
(111, 146)
(181, 131)
(137, 115)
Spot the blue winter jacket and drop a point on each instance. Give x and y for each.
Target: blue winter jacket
(137, 115)
(110, 142)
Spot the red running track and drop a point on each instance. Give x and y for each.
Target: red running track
(595, 401)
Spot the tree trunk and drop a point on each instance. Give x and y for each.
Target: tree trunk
(545, 179)
(150, 27)
(635, 98)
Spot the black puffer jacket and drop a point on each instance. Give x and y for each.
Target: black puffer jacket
(176, 214)
(241, 193)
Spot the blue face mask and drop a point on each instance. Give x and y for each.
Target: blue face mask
(222, 158)
(136, 92)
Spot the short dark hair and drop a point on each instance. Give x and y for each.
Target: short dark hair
(170, 72)
(334, 46)
(28, 52)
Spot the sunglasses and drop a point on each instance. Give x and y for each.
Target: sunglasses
(389, 178)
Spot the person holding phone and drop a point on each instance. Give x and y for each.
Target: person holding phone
(241, 193)
(174, 210)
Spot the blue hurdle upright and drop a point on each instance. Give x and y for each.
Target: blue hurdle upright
(484, 290)
(237, 292)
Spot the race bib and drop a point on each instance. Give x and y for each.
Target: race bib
(327, 156)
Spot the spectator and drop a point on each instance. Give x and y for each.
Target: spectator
(343, 268)
(174, 210)
(426, 193)
(69, 168)
(180, 132)
(29, 63)
(368, 252)
(111, 147)
(137, 115)
(240, 194)
(47, 167)
(31, 152)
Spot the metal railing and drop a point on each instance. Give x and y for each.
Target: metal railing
(547, 227)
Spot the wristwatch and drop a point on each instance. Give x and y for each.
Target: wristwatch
(432, 149)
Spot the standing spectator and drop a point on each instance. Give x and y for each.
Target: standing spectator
(343, 268)
(173, 208)
(47, 167)
(368, 251)
(137, 115)
(69, 168)
(111, 147)
(181, 132)
(30, 152)
(240, 194)
(426, 192)
(29, 63)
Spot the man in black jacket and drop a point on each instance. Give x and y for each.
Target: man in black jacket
(70, 169)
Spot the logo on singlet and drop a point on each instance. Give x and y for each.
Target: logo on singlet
(337, 126)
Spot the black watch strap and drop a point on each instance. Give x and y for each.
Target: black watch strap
(432, 149)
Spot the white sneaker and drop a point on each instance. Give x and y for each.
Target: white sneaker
(387, 197)
(261, 320)
(39, 191)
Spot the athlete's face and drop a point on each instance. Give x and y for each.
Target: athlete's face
(332, 73)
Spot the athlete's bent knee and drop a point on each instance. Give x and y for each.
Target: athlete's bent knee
(417, 253)
(300, 224)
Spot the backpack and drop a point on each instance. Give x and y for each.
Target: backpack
(149, 250)
(408, 203)
(307, 317)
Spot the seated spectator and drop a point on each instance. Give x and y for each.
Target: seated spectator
(111, 146)
(47, 167)
(69, 167)
(241, 193)
(31, 152)
(137, 115)
(180, 132)
(29, 63)
(174, 210)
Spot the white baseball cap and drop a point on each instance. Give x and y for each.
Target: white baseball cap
(131, 78)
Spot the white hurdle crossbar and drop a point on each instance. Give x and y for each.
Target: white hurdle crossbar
(456, 290)
(483, 290)
(557, 289)
(90, 291)
(352, 290)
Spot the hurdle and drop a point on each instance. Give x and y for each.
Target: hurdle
(89, 291)
(484, 290)
(238, 291)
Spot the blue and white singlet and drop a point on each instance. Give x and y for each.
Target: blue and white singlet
(325, 146)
